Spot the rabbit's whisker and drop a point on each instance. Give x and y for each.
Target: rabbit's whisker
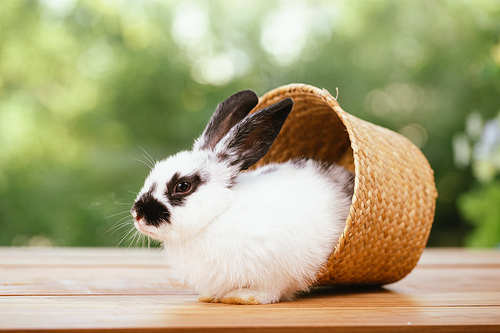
(120, 213)
(126, 235)
(148, 157)
(118, 225)
(146, 164)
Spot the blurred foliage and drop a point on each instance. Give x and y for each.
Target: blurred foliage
(86, 85)
(481, 207)
(479, 147)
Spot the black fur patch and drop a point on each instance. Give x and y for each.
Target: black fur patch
(153, 211)
(254, 135)
(227, 115)
(178, 199)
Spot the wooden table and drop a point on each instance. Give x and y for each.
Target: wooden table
(97, 290)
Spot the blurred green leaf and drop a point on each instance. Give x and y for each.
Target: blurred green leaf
(481, 208)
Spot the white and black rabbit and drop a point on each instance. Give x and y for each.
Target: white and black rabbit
(238, 237)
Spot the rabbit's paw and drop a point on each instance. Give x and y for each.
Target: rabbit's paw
(208, 299)
(248, 297)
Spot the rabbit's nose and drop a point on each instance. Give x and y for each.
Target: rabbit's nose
(135, 215)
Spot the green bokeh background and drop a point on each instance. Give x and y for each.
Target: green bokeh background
(86, 86)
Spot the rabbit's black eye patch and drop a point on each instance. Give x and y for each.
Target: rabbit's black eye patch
(179, 187)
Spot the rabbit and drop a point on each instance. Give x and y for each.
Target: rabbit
(253, 237)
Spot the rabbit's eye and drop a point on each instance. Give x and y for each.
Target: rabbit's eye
(182, 187)
(178, 188)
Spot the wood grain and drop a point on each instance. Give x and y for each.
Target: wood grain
(97, 290)
(49, 256)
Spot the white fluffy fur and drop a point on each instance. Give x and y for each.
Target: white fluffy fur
(257, 238)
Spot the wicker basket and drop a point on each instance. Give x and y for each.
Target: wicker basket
(394, 195)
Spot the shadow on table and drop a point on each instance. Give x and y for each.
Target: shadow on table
(346, 290)
(356, 296)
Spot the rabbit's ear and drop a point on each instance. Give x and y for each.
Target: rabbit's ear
(252, 138)
(228, 113)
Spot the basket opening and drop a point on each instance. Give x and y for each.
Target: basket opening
(312, 130)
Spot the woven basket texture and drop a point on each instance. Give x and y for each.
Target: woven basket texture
(394, 194)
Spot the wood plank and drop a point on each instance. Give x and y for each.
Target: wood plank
(151, 280)
(451, 279)
(168, 312)
(87, 280)
(396, 295)
(69, 257)
(459, 256)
